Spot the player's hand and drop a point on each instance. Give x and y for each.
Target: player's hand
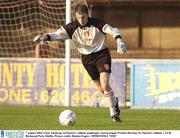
(44, 37)
(37, 38)
(121, 48)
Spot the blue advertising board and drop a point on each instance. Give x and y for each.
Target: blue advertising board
(155, 84)
(42, 82)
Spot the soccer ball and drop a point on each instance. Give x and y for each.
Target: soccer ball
(67, 118)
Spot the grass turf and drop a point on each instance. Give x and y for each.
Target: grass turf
(88, 118)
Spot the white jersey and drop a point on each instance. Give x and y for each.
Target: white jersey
(89, 38)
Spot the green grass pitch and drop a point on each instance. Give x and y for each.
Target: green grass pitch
(88, 118)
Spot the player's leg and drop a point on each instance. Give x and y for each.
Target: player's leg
(95, 64)
(99, 90)
(103, 65)
(112, 102)
(98, 85)
(110, 99)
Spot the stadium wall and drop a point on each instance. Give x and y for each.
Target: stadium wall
(155, 84)
(42, 82)
(149, 29)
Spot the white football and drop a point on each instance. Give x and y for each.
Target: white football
(67, 118)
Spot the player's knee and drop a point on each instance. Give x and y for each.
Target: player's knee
(106, 88)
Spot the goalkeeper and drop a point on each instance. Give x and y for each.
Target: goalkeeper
(88, 35)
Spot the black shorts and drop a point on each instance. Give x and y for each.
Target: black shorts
(97, 62)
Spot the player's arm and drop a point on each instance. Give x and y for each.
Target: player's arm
(114, 32)
(60, 34)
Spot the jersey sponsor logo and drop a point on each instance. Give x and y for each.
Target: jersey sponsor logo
(88, 35)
